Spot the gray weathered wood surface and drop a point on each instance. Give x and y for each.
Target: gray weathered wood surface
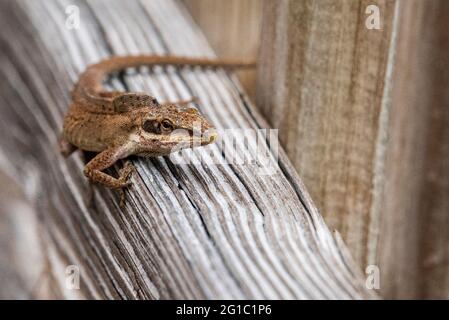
(188, 231)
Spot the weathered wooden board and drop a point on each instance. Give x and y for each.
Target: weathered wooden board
(326, 94)
(363, 116)
(188, 230)
(414, 238)
(21, 258)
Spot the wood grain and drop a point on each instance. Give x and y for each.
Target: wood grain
(21, 260)
(322, 81)
(363, 117)
(188, 230)
(415, 229)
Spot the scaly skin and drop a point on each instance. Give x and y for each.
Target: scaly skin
(120, 124)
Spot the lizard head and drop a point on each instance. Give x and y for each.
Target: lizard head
(165, 129)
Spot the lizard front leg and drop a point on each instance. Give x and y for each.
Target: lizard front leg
(105, 159)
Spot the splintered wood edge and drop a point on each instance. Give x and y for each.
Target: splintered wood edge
(188, 231)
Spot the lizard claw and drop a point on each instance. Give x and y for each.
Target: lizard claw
(122, 198)
(125, 174)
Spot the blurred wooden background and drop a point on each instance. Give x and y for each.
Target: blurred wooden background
(232, 28)
(364, 116)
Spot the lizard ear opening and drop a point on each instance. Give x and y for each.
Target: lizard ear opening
(129, 101)
(152, 126)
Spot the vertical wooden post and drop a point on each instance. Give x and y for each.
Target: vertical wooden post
(414, 238)
(233, 29)
(322, 80)
(363, 115)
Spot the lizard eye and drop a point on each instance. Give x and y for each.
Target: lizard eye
(152, 126)
(167, 125)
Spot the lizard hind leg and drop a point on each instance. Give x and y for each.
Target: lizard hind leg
(65, 147)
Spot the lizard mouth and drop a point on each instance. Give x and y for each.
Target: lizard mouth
(152, 145)
(193, 138)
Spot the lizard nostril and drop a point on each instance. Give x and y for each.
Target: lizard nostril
(210, 136)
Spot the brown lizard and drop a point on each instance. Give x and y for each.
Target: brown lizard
(119, 124)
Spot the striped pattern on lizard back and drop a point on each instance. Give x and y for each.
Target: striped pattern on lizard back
(94, 132)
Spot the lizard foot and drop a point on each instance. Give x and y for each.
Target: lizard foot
(125, 174)
(122, 196)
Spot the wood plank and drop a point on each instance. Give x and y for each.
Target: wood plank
(322, 81)
(188, 230)
(21, 260)
(415, 229)
(363, 115)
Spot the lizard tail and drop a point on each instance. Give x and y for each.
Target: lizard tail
(121, 62)
(89, 87)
